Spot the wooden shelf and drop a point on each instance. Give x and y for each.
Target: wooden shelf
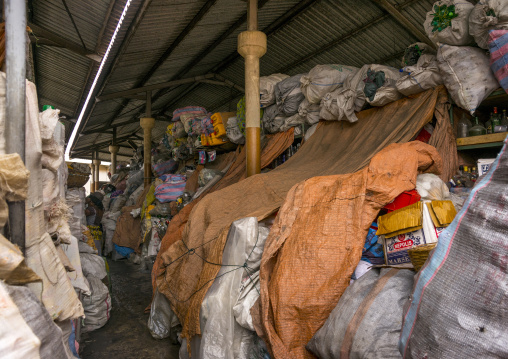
(498, 98)
(491, 140)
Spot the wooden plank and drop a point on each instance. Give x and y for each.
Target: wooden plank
(482, 145)
(397, 15)
(475, 140)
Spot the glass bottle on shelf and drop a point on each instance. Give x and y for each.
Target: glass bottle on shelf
(496, 121)
(467, 178)
(474, 174)
(488, 123)
(463, 127)
(503, 124)
(477, 129)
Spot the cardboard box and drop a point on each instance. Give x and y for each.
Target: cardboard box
(405, 228)
(396, 247)
(484, 165)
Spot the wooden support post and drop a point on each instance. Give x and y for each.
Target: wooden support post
(252, 46)
(113, 150)
(147, 124)
(97, 164)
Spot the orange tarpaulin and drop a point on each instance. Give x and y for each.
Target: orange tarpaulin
(317, 239)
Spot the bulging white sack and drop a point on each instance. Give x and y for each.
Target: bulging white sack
(267, 88)
(323, 79)
(487, 15)
(458, 33)
(423, 76)
(466, 74)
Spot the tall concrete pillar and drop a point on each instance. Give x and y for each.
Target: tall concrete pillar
(113, 150)
(147, 124)
(92, 179)
(97, 164)
(252, 46)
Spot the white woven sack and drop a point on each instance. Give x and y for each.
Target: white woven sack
(93, 264)
(16, 338)
(34, 216)
(58, 294)
(323, 79)
(97, 305)
(342, 103)
(267, 88)
(458, 33)
(423, 76)
(309, 111)
(466, 74)
(77, 279)
(388, 92)
(292, 121)
(47, 122)
(480, 23)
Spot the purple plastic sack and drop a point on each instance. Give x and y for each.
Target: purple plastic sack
(189, 110)
(171, 189)
(165, 167)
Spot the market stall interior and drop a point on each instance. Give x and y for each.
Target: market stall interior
(253, 179)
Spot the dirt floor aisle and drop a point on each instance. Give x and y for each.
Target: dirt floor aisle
(126, 334)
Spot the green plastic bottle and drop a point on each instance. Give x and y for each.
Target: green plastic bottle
(477, 129)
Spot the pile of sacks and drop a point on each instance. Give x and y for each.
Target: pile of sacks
(143, 220)
(182, 137)
(92, 277)
(39, 288)
(366, 322)
(64, 213)
(336, 92)
(455, 26)
(125, 189)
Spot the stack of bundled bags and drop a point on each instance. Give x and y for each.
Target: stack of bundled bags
(120, 196)
(64, 218)
(135, 220)
(40, 286)
(457, 27)
(96, 298)
(336, 92)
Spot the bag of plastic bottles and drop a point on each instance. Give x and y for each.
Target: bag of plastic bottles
(448, 22)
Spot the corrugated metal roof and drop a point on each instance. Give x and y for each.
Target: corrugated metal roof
(350, 32)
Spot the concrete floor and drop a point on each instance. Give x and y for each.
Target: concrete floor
(126, 334)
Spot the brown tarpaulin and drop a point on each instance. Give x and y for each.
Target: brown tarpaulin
(444, 140)
(128, 230)
(317, 239)
(335, 148)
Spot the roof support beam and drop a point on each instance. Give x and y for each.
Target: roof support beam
(208, 78)
(397, 15)
(103, 143)
(100, 130)
(153, 87)
(133, 26)
(195, 20)
(202, 12)
(53, 39)
(198, 58)
(271, 29)
(73, 23)
(132, 144)
(94, 65)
